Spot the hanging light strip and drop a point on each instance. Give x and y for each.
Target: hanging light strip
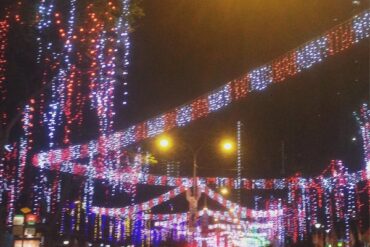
(129, 210)
(122, 177)
(235, 210)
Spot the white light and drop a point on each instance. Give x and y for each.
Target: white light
(8, 148)
(354, 139)
(317, 225)
(66, 242)
(356, 2)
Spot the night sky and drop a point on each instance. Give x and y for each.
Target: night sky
(183, 49)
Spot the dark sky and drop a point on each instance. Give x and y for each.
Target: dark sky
(182, 49)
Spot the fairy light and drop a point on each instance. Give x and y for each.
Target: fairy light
(78, 217)
(53, 117)
(72, 214)
(4, 28)
(279, 70)
(10, 205)
(293, 224)
(239, 159)
(219, 98)
(312, 53)
(183, 115)
(260, 78)
(124, 37)
(127, 228)
(62, 220)
(96, 225)
(361, 26)
(363, 120)
(45, 14)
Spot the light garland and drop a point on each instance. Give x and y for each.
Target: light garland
(53, 117)
(123, 31)
(363, 119)
(130, 210)
(99, 40)
(45, 14)
(135, 176)
(237, 211)
(294, 62)
(68, 79)
(239, 159)
(4, 28)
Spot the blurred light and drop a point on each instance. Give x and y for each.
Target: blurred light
(224, 191)
(317, 225)
(8, 147)
(164, 143)
(356, 2)
(227, 145)
(66, 242)
(354, 139)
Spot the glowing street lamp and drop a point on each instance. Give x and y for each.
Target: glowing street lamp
(224, 191)
(227, 146)
(164, 143)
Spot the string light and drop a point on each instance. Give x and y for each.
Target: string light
(363, 120)
(296, 61)
(4, 28)
(104, 50)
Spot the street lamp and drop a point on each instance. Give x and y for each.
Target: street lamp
(164, 143)
(224, 191)
(227, 146)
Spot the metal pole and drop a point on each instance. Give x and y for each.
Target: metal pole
(195, 173)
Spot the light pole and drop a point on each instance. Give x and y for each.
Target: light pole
(195, 166)
(165, 143)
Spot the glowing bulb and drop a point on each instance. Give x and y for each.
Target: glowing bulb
(224, 191)
(164, 143)
(227, 146)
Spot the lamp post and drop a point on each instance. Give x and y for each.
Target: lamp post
(165, 143)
